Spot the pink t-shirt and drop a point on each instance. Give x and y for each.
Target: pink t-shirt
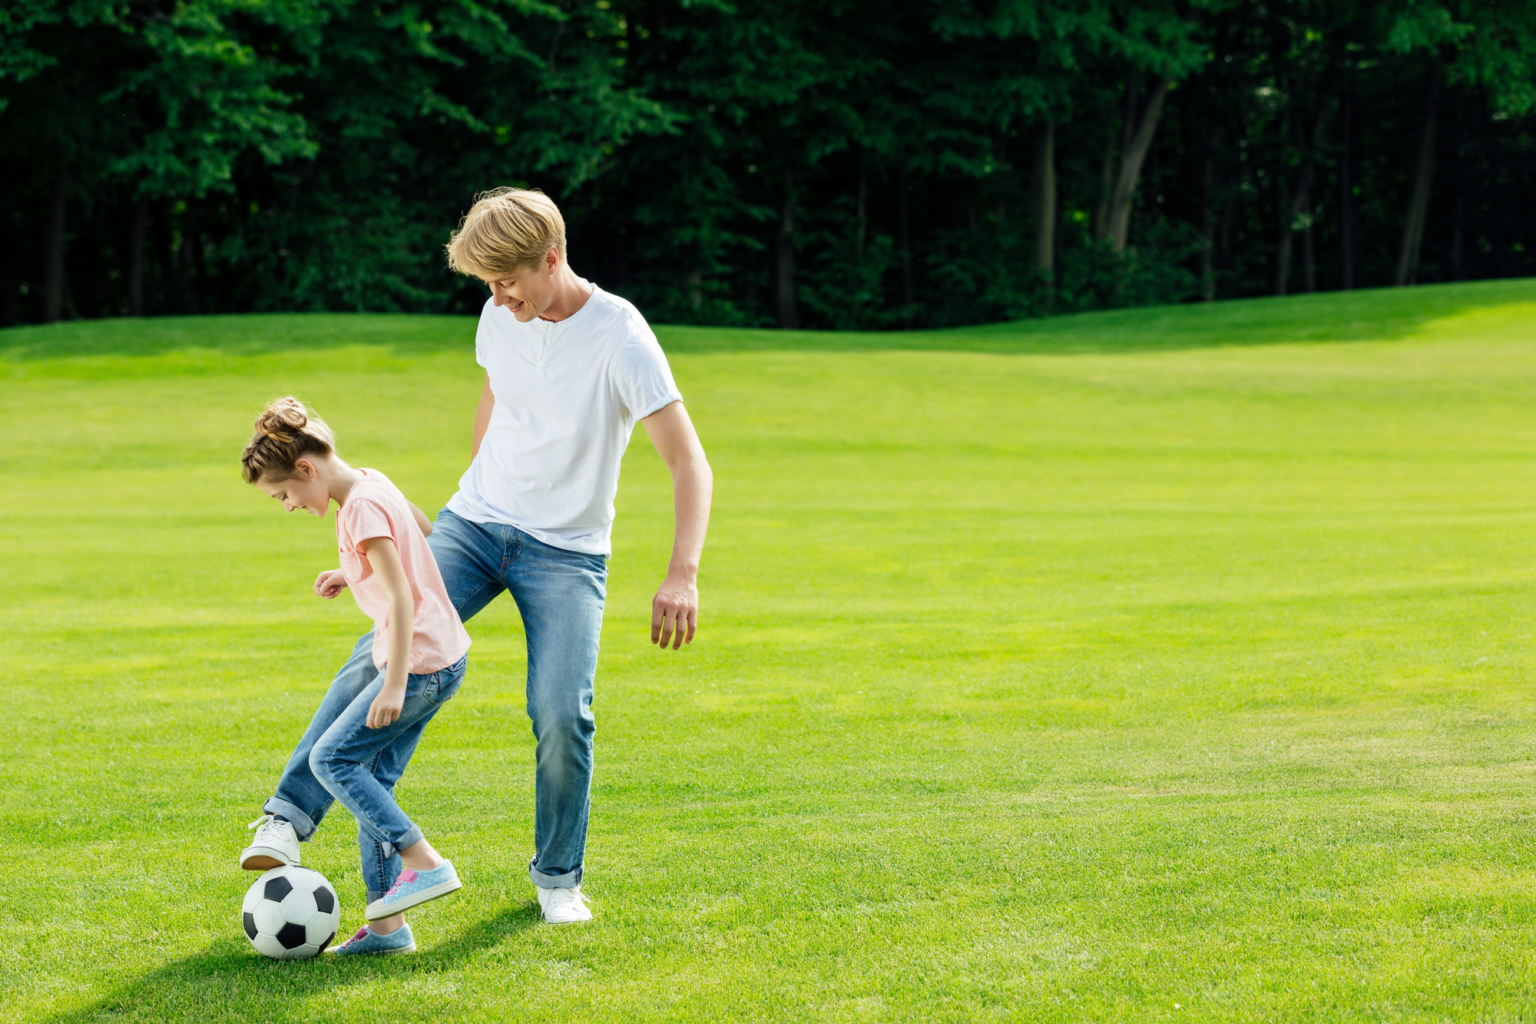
(376, 508)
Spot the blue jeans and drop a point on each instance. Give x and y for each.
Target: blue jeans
(340, 758)
(560, 594)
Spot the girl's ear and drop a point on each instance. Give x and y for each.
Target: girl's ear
(305, 469)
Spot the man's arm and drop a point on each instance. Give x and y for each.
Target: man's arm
(482, 416)
(676, 605)
(422, 522)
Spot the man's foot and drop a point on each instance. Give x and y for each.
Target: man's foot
(412, 889)
(564, 906)
(368, 941)
(275, 844)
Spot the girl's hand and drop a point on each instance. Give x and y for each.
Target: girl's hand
(385, 708)
(330, 583)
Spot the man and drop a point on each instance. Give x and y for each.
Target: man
(569, 369)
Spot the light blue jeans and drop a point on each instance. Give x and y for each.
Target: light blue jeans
(340, 758)
(560, 594)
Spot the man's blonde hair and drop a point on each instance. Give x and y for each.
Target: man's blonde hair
(507, 230)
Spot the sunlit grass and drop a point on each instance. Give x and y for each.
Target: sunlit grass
(1162, 664)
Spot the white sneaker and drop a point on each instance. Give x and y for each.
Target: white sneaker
(275, 844)
(564, 906)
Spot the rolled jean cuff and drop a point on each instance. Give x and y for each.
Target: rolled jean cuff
(303, 824)
(411, 838)
(570, 880)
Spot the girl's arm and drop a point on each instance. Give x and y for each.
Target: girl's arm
(384, 557)
(333, 581)
(330, 583)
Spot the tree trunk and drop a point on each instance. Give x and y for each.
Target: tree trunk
(1459, 233)
(1418, 200)
(1459, 205)
(1114, 146)
(1208, 222)
(161, 230)
(53, 251)
(1100, 224)
(621, 260)
(1347, 219)
(184, 259)
(858, 244)
(904, 242)
(136, 257)
(8, 276)
(1224, 233)
(1131, 159)
(1308, 261)
(1001, 211)
(1288, 213)
(1043, 156)
(1300, 199)
(787, 307)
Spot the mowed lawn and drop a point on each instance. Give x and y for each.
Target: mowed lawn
(1171, 664)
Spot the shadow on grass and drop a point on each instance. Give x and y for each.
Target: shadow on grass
(1374, 315)
(1385, 314)
(254, 334)
(229, 980)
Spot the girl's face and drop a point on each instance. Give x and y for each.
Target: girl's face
(304, 490)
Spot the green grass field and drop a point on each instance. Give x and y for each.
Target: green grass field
(1168, 664)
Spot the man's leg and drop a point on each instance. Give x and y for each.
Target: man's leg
(560, 594)
(469, 556)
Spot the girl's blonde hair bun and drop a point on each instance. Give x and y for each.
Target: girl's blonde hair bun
(286, 431)
(283, 419)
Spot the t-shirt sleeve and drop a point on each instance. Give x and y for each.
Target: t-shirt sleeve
(365, 519)
(643, 378)
(482, 332)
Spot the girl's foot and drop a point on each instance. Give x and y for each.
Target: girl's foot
(275, 844)
(366, 941)
(412, 889)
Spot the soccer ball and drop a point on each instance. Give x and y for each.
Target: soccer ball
(291, 913)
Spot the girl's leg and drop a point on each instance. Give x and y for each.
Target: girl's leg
(300, 797)
(469, 557)
(381, 862)
(360, 766)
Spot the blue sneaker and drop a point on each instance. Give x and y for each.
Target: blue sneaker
(412, 889)
(367, 941)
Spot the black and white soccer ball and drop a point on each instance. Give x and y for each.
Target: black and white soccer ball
(291, 913)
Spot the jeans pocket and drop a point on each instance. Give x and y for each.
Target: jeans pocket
(445, 683)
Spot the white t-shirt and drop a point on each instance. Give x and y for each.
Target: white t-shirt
(568, 395)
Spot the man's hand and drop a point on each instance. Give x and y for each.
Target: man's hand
(330, 583)
(385, 708)
(674, 609)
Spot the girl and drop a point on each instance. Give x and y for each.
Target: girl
(368, 725)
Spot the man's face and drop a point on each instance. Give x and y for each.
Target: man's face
(527, 292)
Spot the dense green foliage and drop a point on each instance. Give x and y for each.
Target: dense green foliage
(1154, 665)
(844, 164)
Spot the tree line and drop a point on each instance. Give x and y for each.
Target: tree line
(831, 164)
